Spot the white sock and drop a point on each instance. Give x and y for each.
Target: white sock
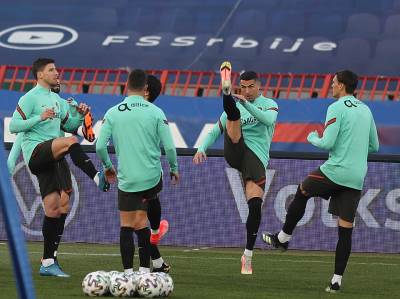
(155, 231)
(79, 131)
(96, 179)
(144, 270)
(158, 262)
(248, 253)
(337, 278)
(283, 237)
(47, 262)
(128, 271)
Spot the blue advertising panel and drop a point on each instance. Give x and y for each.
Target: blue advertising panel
(190, 119)
(208, 207)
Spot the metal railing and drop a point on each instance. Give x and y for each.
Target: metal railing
(201, 83)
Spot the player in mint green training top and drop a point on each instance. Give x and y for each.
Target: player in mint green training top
(349, 135)
(39, 115)
(16, 148)
(63, 168)
(248, 126)
(137, 129)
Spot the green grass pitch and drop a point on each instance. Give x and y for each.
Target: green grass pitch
(215, 273)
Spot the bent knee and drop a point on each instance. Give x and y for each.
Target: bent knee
(65, 209)
(235, 139)
(72, 140)
(253, 190)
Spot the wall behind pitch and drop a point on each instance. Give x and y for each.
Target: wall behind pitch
(208, 207)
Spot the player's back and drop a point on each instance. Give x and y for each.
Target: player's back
(348, 156)
(136, 140)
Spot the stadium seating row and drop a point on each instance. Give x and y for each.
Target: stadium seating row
(364, 34)
(247, 19)
(364, 56)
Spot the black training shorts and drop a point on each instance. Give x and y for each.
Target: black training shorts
(53, 175)
(133, 201)
(240, 157)
(65, 175)
(343, 200)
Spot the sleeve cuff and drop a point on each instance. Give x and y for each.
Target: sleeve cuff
(174, 169)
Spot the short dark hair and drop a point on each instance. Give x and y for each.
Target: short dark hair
(39, 64)
(249, 75)
(154, 88)
(349, 79)
(137, 80)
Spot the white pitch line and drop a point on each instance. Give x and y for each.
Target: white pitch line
(223, 258)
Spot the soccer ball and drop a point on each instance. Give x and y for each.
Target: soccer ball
(107, 277)
(168, 284)
(121, 285)
(150, 285)
(95, 284)
(134, 276)
(111, 273)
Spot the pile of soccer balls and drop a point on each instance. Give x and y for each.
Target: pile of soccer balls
(119, 284)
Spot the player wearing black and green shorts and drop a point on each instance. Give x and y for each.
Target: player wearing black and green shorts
(137, 129)
(39, 115)
(349, 135)
(248, 125)
(63, 171)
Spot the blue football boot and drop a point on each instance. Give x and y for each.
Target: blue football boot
(103, 184)
(52, 270)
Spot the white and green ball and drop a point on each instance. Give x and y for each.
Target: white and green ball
(122, 285)
(168, 284)
(95, 284)
(150, 285)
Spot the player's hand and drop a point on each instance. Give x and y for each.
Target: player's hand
(111, 175)
(199, 157)
(48, 113)
(312, 136)
(240, 97)
(174, 178)
(83, 108)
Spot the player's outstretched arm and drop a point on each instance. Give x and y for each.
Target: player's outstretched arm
(14, 153)
(211, 137)
(373, 138)
(102, 141)
(165, 135)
